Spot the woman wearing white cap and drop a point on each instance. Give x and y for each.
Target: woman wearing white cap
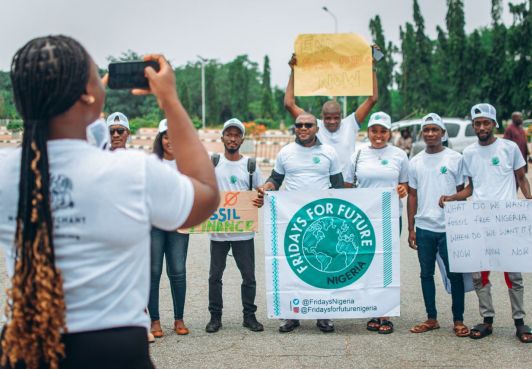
(376, 166)
(172, 244)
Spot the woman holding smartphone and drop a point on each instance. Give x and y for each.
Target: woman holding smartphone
(173, 247)
(75, 281)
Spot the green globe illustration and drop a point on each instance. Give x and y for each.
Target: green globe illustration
(329, 244)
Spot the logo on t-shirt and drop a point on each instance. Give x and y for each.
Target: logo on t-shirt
(61, 192)
(495, 160)
(384, 162)
(443, 170)
(233, 179)
(329, 243)
(316, 159)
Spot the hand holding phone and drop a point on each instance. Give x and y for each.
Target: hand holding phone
(130, 75)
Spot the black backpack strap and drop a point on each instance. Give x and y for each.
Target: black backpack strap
(215, 158)
(252, 166)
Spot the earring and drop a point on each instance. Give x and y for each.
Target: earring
(91, 100)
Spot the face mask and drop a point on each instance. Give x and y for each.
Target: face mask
(98, 134)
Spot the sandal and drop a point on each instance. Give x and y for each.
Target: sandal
(156, 329)
(428, 325)
(460, 330)
(386, 327)
(373, 325)
(524, 333)
(180, 328)
(480, 331)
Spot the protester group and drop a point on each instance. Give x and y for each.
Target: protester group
(102, 288)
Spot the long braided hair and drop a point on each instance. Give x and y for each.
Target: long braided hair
(49, 74)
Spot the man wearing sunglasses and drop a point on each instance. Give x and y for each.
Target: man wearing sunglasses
(335, 131)
(304, 165)
(118, 130)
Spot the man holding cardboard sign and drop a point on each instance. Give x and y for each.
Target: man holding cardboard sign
(234, 173)
(493, 165)
(321, 57)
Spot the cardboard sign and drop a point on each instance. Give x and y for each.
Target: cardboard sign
(235, 214)
(337, 64)
(332, 254)
(489, 236)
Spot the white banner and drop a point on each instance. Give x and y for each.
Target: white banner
(489, 236)
(332, 254)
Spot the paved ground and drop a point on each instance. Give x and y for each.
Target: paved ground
(350, 347)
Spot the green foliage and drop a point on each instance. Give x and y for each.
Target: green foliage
(267, 99)
(268, 123)
(15, 125)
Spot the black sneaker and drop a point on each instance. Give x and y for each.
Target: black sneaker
(325, 325)
(252, 324)
(289, 325)
(214, 325)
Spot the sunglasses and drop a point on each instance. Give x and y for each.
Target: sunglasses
(306, 125)
(120, 131)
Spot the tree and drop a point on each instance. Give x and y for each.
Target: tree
(421, 84)
(267, 99)
(384, 67)
(408, 69)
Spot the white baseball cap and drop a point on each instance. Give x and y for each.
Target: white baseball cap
(380, 118)
(117, 118)
(163, 126)
(432, 118)
(484, 111)
(233, 122)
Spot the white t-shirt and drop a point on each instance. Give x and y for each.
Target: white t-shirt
(434, 175)
(234, 176)
(343, 140)
(378, 168)
(103, 204)
(492, 169)
(307, 168)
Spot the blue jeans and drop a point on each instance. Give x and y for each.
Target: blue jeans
(428, 244)
(174, 245)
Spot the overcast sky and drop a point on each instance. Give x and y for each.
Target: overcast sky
(217, 29)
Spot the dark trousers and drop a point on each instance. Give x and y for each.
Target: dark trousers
(117, 348)
(174, 246)
(244, 255)
(428, 244)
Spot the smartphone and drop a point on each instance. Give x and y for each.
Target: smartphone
(130, 74)
(377, 54)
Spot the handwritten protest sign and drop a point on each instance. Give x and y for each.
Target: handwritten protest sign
(235, 214)
(333, 65)
(489, 235)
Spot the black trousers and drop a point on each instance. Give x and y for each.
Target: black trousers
(244, 255)
(117, 348)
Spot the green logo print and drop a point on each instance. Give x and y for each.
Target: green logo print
(443, 170)
(329, 243)
(234, 179)
(316, 159)
(384, 162)
(495, 160)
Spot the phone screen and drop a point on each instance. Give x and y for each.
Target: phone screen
(377, 54)
(127, 75)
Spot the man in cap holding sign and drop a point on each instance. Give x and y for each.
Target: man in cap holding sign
(493, 165)
(118, 126)
(434, 172)
(234, 172)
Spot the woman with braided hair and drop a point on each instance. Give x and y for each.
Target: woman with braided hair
(79, 288)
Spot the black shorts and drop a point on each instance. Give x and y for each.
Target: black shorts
(117, 348)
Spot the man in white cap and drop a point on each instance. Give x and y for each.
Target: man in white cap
(118, 126)
(304, 165)
(340, 133)
(234, 172)
(434, 172)
(493, 165)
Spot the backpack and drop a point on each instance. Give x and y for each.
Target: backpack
(252, 166)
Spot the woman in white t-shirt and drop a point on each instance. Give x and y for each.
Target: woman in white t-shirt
(376, 166)
(78, 287)
(169, 245)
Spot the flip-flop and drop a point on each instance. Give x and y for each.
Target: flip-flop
(373, 325)
(426, 326)
(461, 330)
(482, 329)
(521, 331)
(389, 327)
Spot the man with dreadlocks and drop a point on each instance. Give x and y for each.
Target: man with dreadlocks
(75, 283)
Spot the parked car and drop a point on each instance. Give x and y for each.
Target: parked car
(460, 131)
